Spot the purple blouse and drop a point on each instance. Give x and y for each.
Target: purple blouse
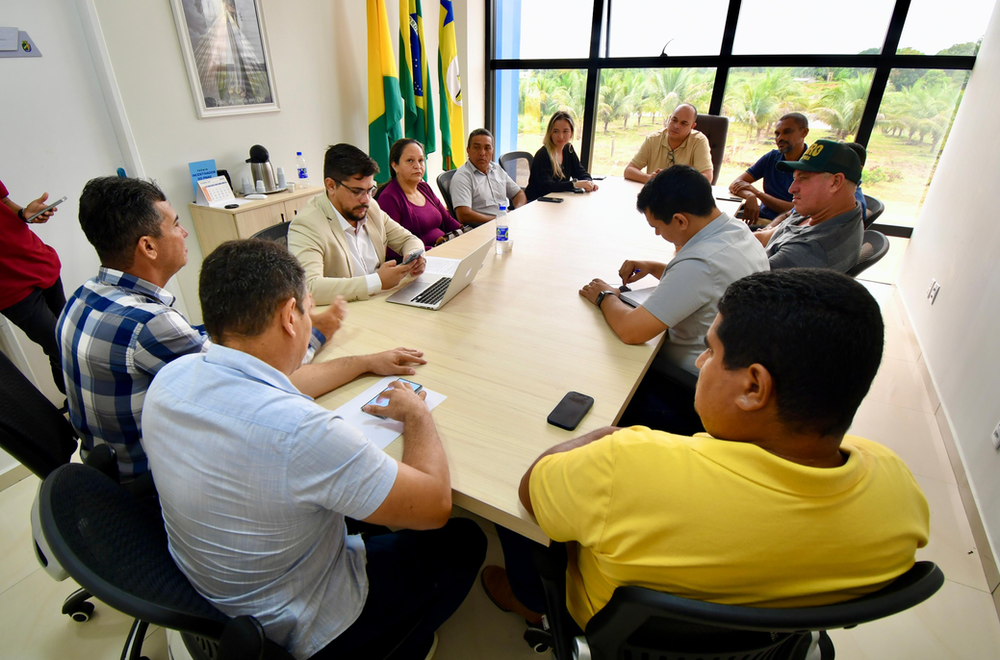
(428, 222)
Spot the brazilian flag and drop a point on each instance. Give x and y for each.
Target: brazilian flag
(414, 80)
(385, 106)
(452, 125)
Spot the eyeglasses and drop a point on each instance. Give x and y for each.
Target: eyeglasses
(359, 192)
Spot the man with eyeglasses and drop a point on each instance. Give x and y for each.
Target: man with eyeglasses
(340, 238)
(677, 144)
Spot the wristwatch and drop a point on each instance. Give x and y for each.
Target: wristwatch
(20, 214)
(601, 296)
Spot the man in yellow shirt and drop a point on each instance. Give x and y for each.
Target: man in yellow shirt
(677, 144)
(775, 506)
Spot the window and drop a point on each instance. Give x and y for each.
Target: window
(793, 27)
(933, 29)
(543, 29)
(526, 100)
(635, 102)
(672, 27)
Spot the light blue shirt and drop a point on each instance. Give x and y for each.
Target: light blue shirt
(254, 480)
(687, 298)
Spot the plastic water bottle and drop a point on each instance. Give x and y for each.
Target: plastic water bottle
(504, 244)
(300, 166)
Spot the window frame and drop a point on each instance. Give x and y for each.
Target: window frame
(882, 64)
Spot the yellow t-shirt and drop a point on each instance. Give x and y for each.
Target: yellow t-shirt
(654, 152)
(727, 522)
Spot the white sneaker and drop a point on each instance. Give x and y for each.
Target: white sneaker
(433, 648)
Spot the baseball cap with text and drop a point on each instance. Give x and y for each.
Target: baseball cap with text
(827, 156)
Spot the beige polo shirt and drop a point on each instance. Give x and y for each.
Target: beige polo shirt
(655, 152)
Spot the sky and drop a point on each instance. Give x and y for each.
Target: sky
(778, 27)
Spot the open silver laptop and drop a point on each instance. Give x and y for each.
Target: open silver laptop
(432, 290)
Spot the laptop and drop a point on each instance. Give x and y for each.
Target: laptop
(433, 289)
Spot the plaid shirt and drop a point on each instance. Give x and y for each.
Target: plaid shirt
(117, 331)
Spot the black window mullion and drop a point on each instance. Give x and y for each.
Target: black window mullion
(725, 55)
(593, 86)
(881, 77)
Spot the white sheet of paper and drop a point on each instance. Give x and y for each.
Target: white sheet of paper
(442, 267)
(8, 38)
(381, 432)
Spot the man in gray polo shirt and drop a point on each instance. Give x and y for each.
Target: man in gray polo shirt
(480, 186)
(713, 251)
(826, 227)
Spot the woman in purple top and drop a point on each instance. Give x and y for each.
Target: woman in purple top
(410, 201)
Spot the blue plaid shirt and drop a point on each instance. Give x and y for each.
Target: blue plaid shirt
(117, 331)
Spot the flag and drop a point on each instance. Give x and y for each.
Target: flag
(452, 129)
(414, 79)
(385, 105)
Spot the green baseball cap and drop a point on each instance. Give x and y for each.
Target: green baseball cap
(827, 156)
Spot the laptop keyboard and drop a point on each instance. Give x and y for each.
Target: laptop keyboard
(433, 294)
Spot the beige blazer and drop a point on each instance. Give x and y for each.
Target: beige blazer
(318, 242)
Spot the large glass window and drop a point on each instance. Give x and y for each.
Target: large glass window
(934, 28)
(833, 99)
(639, 28)
(543, 29)
(912, 128)
(793, 27)
(528, 98)
(635, 102)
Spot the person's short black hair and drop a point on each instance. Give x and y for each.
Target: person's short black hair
(396, 152)
(678, 189)
(477, 133)
(860, 150)
(819, 334)
(342, 161)
(798, 118)
(115, 213)
(243, 283)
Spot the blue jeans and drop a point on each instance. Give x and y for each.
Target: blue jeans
(416, 581)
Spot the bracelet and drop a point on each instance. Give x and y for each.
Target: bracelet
(20, 214)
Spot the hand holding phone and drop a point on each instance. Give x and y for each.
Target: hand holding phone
(384, 398)
(413, 256)
(48, 208)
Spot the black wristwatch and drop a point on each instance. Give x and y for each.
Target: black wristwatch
(20, 214)
(601, 296)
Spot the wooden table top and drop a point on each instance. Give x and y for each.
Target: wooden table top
(508, 347)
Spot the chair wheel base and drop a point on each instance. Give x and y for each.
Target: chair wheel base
(539, 639)
(81, 612)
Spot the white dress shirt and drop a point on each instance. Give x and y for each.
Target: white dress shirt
(364, 259)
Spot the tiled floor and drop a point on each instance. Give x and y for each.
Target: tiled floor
(959, 622)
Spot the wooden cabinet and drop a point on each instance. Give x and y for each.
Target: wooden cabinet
(216, 226)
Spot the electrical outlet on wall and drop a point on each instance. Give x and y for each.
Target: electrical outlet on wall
(996, 437)
(933, 291)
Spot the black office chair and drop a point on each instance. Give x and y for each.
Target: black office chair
(639, 622)
(379, 188)
(444, 185)
(517, 165)
(874, 247)
(277, 233)
(115, 545)
(716, 129)
(875, 209)
(33, 431)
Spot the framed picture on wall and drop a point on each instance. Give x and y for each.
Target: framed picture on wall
(226, 55)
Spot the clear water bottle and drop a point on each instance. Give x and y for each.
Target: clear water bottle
(504, 244)
(302, 174)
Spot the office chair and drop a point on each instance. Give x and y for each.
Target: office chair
(33, 431)
(444, 185)
(639, 622)
(716, 129)
(115, 545)
(875, 209)
(277, 233)
(511, 163)
(874, 247)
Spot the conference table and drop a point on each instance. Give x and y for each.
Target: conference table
(506, 349)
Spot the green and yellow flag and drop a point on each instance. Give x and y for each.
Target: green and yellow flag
(452, 128)
(414, 80)
(385, 106)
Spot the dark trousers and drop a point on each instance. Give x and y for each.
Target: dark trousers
(663, 404)
(521, 573)
(36, 315)
(416, 580)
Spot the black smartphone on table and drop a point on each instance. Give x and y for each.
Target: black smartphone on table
(554, 200)
(571, 410)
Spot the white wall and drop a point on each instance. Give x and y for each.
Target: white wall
(319, 53)
(956, 241)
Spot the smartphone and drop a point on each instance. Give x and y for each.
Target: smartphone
(46, 209)
(597, 178)
(571, 410)
(413, 256)
(554, 200)
(381, 400)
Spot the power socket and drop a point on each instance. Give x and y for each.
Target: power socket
(933, 291)
(996, 437)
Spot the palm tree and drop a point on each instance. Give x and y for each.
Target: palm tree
(842, 106)
(759, 100)
(614, 97)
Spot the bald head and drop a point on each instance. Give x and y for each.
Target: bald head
(680, 124)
